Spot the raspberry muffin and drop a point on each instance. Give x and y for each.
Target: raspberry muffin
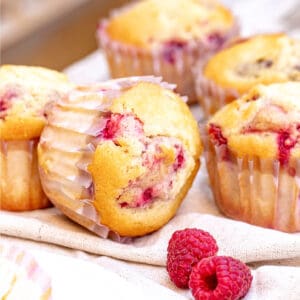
(21, 277)
(24, 92)
(165, 38)
(265, 59)
(253, 157)
(119, 157)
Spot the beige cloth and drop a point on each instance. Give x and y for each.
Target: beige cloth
(241, 240)
(274, 256)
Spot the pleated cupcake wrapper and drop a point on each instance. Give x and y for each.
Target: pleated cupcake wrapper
(255, 190)
(19, 174)
(126, 60)
(66, 192)
(210, 95)
(28, 264)
(82, 211)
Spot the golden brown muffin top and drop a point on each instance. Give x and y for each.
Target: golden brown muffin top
(159, 116)
(24, 91)
(265, 59)
(131, 149)
(151, 22)
(167, 115)
(264, 122)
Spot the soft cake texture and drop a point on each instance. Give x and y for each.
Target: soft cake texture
(265, 59)
(165, 38)
(132, 154)
(24, 93)
(253, 125)
(155, 21)
(252, 156)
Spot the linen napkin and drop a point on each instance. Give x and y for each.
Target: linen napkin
(241, 240)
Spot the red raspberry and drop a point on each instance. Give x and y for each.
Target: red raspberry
(187, 247)
(220, 277)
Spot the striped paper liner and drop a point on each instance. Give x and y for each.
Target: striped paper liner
(68, 141)
(210, 95)
(20, 177)
(254, 190)
(128, 60)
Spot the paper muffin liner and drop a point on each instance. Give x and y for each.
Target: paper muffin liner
(20, 186)
(255, 190)
(74, 194)
(32, 271)
(173, 61)
(210, 95)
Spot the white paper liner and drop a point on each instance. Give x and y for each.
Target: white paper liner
(127, 60)
(73, 194)
(210, 95)
(19, 176)
(255, 190)
(28, 264)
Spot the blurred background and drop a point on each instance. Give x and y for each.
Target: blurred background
(57, 33)
(50, 33)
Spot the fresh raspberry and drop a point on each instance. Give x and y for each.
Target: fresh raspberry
(220, 277)
(186, 248)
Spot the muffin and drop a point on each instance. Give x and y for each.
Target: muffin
(252, 148)
(265, 59)
(24, 92)
(165, 38)
(119, 157)
(21, 277)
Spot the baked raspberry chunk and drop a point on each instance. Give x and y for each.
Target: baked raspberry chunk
(216, 40)
(121, 124)
(6, 101)
(162, 158)
(285, 144)
(179, 158)
(171, 50)
(161, 170)
(215, 132)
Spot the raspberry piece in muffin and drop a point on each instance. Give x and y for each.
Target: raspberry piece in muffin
(24, 93)
(171, 50)
(285, 144)
(121, 124)
(265, 59)
(165, 38)
(6, 99)
(258, 181)
(130, 150)
(215, 132)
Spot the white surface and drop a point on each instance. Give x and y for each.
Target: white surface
(78, 279)
(260, 16)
